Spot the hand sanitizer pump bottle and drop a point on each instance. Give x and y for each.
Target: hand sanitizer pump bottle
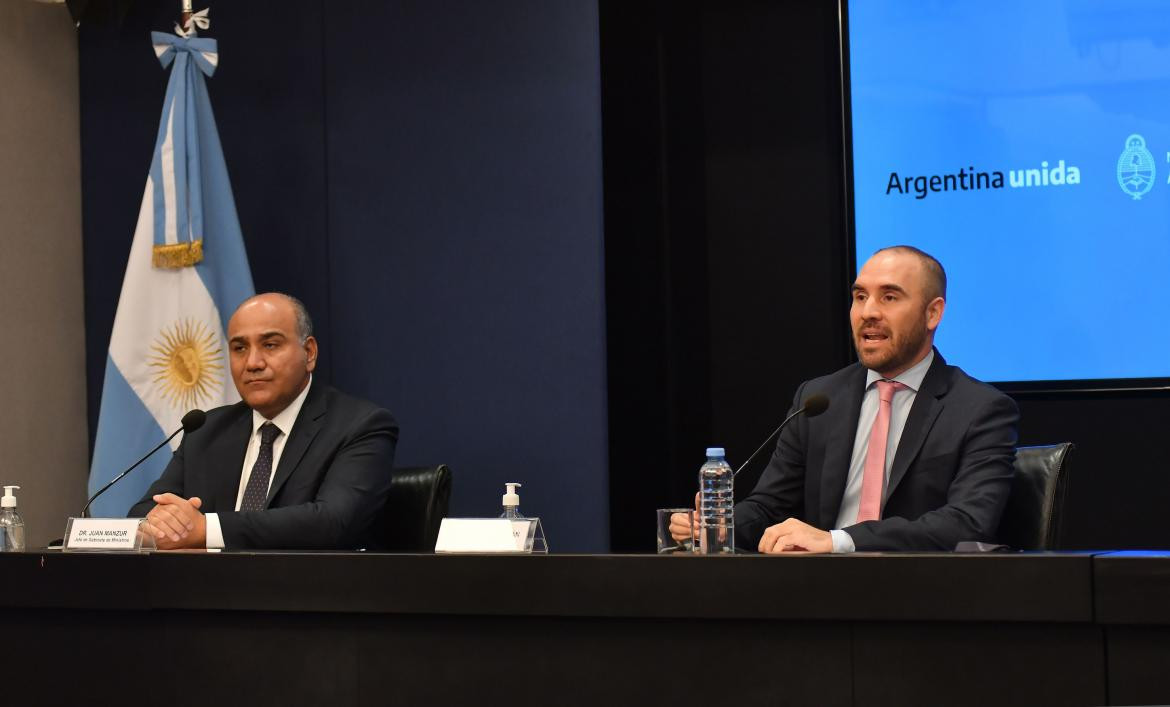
(11, 522)
(511, 501)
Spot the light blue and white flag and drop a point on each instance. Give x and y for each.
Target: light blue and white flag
(186, 274)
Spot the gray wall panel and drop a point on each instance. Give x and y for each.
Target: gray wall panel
(43, 418)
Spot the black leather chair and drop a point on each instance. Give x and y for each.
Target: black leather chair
(418, 501)
(1032, 518)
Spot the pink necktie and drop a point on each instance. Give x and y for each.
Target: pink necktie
(874, 472)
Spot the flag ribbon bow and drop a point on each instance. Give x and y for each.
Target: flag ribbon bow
(203, 51)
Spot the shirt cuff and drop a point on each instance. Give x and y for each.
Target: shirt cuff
(215, 533)
(842, 541)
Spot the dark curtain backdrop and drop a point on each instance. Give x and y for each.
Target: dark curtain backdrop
(427, 178)
(725, 260)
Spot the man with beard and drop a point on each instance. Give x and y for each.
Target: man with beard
(912, 454)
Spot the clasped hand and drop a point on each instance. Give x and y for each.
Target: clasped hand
(176, 522)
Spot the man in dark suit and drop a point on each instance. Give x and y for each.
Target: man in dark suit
(294, 465)
(913, 454)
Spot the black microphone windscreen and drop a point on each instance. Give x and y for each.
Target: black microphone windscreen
(193, 421)
(815, 404)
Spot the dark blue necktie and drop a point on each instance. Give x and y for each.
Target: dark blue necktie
(256, 492)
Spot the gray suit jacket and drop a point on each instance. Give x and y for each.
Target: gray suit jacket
(950, 478)
(328, 489)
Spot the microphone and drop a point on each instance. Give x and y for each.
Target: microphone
(191, 421)
(813, 405)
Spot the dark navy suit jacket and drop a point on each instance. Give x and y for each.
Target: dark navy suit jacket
(329, 486)
(949, 481)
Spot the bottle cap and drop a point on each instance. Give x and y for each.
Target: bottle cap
(715, 451)
(511, 498)
(9, 501)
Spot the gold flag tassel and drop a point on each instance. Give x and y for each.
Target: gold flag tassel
(177, 255)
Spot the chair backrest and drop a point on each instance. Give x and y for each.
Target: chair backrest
(418, 501)
(1031, 520)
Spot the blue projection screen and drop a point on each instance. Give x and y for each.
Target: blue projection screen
(1027, 146)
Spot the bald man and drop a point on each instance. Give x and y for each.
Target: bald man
(293, 465)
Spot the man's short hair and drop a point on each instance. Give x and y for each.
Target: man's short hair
(300, 312)
(936, 276)
(304, 321)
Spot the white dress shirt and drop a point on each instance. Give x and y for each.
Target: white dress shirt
(899, 411)
(284, 422)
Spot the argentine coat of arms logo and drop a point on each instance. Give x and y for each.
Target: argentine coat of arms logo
(1135, 168)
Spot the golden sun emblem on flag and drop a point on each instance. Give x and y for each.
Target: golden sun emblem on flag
(186, 363)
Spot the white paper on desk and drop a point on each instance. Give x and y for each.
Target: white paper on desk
(482, 535)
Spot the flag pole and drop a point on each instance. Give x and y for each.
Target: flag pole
(185, 17)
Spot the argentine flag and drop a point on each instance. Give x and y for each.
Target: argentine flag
(186, 274)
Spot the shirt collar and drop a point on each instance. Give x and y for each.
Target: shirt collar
(286, 417)
(911, 377)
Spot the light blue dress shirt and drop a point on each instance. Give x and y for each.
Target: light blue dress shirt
(899, 411)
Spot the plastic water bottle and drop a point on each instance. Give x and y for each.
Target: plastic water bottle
(11, 523)
(716, 505)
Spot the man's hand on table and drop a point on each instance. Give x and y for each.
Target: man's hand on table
(177, 523)
(795, 536)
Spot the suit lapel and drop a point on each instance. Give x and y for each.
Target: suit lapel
(839, 446)
(928, 403)
(306, 427)
(227, 452)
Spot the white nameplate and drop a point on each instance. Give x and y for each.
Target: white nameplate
(102, 534)
(484, 535)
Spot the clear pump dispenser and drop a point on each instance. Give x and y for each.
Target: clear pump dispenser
(511, 501)
(11, 523)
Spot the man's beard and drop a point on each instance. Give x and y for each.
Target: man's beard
(901, 354)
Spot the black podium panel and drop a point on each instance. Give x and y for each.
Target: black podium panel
(1132, 601)
(900, 586)
(368, 629)
(978, 664)
(1132, 587)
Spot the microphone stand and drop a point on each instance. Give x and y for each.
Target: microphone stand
(85, 511)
